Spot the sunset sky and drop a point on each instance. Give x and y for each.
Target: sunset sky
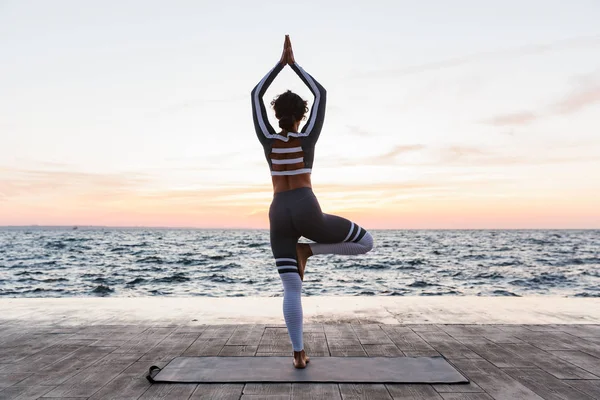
(462, 114)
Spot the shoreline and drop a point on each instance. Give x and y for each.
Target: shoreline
(317, 309)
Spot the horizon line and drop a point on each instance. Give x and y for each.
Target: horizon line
(76, 227)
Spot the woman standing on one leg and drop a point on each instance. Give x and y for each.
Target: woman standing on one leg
(295, 211)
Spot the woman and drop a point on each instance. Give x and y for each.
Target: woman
(295, 211)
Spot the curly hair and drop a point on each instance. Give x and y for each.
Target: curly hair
(289, 108)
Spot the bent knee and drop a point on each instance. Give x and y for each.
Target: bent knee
(366, 242)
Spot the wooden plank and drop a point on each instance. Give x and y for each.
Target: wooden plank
(173, 346)
(264, 397)
(119, 358)
(422, 327)
(421, 353)
(190, 329)
(274, 346)
(447, 346)
(551, 340)
(513, 329)
(129, 384)
(62, 370)
(26, 346)
(340, 332)
(10, 379)
(412, 392)
(545, 385)
(218, 332)
(582, 331)
(238, 351)
(587, 346)
(407, 341)
(589, 387)
(583, 360)
(31, 392)
(145, 340)
(371, 334)
(502, 337)
(315, 344)
(206, 347)
(303, 391)
(246, 335)
(109, 342)
(470, 330)
(364, 392)
(208, 391)
(495, 354)
(279, 332)
(268, 389)
(169, 391)
(548, 362)
(40, 360)
(313, 328)
(470, 387)
(88, 381)
(345, 348)
(495, 382)
(110, 332)
(382, 350)
(542, 328)
(466, 396)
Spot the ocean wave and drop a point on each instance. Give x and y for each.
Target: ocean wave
(488, 275)
(177, 277)
(150, 260)
(587, 294)
(441, 293)
(136, 281)
(102, 290)
(190, 261)
(218, 278)
(422, 284)
(58, 245)
(499, 292)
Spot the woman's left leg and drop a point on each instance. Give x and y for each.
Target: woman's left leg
(331, 234)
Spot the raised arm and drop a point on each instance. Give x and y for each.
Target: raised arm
(312, 128)
(263, 128)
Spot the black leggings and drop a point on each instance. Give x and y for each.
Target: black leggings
(296, 213)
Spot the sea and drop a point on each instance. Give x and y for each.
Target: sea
(144, 262)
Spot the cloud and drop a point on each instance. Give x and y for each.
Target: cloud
(30, 182)
(193, 103)
(387, 158)
(476, 157)
(571, 103)
(357, 130)
(518, 118)
(577, 101)
(565, 44)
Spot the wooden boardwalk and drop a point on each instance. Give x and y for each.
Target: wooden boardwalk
(110, 361)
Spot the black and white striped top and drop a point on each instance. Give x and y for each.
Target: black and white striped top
(293, 153)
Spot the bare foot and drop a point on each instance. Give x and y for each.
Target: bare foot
(300, 359)
(303, 251)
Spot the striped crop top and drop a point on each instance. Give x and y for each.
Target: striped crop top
(290, 154)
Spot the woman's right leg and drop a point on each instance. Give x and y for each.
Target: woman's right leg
(283, 239)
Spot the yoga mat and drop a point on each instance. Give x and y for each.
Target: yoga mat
(320, 369)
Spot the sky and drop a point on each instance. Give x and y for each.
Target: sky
(462, 114)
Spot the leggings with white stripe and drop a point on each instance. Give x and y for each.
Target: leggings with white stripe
(297, 213)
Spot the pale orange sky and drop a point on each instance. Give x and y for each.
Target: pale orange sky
(458, 116)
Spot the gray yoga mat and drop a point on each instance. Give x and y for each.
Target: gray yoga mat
(320, 369)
